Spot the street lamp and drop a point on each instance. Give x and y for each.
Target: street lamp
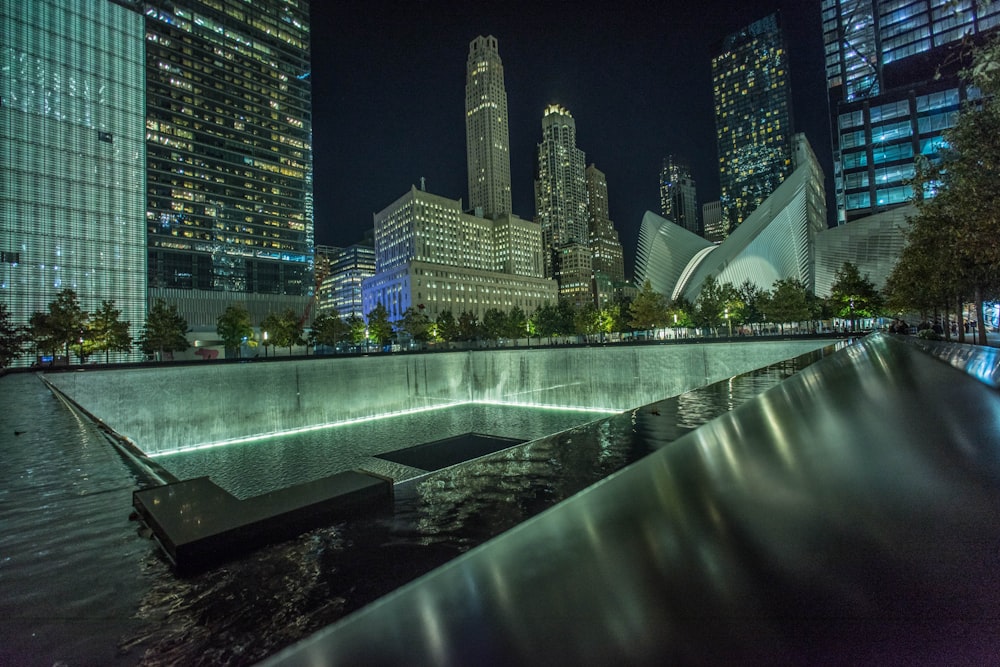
(265, 344)
(729, 323)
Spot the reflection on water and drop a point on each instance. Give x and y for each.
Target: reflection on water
(80, 585)
(71, 564)
(253, 468)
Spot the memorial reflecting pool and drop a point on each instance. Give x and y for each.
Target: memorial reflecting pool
(83, 586)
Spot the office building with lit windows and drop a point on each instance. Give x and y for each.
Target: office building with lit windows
(430, 253)
(487, 135)
(228, 146)
(561, 203)
(753, 116)
(341, 271)
(713, 228)
(679, 195)
(607, 257)
(72, 147)
(892, 80)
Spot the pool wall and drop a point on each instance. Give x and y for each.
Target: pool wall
(164, 408)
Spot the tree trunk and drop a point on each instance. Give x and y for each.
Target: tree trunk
(960, 320)
(980, 324)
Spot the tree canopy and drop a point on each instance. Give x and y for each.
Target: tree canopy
(61, 326)
(164, 331)
(648, 310)
(328, 329)
(234, 327)
(284, 329)
(106, 332)
(12, 338)
(788, 302)
(379, 327)
(853, 295)
(952, 252)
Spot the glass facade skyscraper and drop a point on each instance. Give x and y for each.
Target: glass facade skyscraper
(753, 116)
(678, 195)
(228, 135)
(73, 156)
(893, 90)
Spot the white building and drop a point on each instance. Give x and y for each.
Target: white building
(430, 253)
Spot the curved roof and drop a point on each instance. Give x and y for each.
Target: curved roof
(775, 242)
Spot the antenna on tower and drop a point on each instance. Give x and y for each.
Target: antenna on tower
(423, 184)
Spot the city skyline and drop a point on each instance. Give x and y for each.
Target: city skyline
(388, 91)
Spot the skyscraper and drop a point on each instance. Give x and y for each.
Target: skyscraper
(892, 78)
(228, 142)
(346, 269)
(753, 116)
(561, 202)
(487, 136)
(605, 246)
(72, 150)
(678, 195)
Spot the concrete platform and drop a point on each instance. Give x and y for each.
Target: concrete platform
(198, 524)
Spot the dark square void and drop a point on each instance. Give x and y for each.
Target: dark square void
(449, 451)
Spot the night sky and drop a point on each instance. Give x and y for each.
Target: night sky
(389, 96)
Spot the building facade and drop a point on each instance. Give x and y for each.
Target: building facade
(487, 135)
(343, 272)
(753, 116)
(607, 257)
(892, 80)
(73, 153)
(679, 195)
(713, 227)
(561, 197)
(228, 145)
(430, 253)
(777, 241)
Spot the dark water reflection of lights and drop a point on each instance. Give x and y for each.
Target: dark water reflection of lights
(82, 586)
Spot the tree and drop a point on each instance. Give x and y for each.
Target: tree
(587, 320)
(516, 323)
(62, 326)
(923, 279)
(234, 327)
(446, 328)
(468, 326)
(648, 310)
(494, 324)
(752, 297)
(788, 302)
(545, 321)
(969, 201)
(416, 323)
(328, 329)
(106, 332)
(164, 331)
(379, 327)
(358, 328)
(710, 306)
(284, 329)
(852, 295)
(12, 338)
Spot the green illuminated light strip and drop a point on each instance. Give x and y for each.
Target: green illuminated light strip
(386, 415)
